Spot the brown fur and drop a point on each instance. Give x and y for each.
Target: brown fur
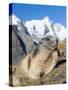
(35, 65)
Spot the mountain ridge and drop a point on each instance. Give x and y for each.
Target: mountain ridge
(39, 29)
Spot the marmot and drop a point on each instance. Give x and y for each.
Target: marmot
(37, 63)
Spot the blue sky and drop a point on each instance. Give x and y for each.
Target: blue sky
(29, 11)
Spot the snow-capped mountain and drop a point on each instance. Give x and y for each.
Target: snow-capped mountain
(60, 31)
(39, 29)
(14, 20)
(42, 28)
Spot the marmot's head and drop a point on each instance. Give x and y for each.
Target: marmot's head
(48, 42)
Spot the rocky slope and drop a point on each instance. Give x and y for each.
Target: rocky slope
(21, 44)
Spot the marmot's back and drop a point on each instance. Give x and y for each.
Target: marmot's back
(40, 61)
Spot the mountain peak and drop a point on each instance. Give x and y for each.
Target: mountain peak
(13, 19)
(42, 28)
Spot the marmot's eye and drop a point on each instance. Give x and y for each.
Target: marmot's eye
(40, 42)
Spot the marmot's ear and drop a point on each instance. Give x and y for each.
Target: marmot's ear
(55, 55)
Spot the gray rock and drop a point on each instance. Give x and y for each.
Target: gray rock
(21, 44)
